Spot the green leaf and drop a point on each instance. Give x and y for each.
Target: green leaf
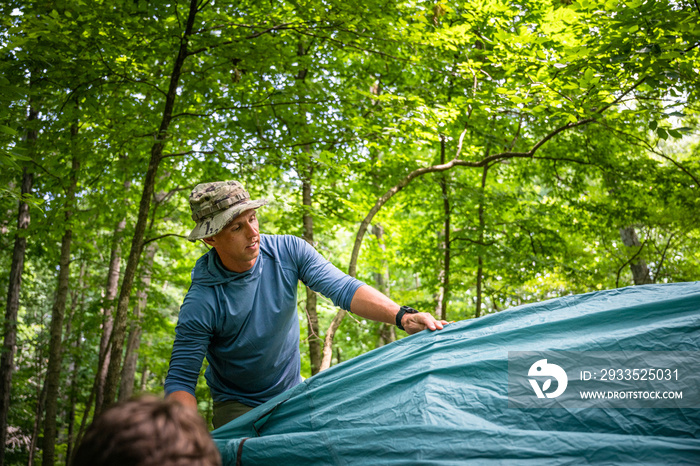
(8, 130)
(685, 129)
(662, 133)
(653, 125)
(675, 133)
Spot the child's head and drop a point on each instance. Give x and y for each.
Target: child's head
(147, 432)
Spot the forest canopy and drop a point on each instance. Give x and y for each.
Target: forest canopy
(461, 157)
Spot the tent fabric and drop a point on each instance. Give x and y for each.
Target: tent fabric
(442, 397)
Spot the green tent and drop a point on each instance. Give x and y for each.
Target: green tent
(447, 397)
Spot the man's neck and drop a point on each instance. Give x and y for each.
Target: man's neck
(238, 267)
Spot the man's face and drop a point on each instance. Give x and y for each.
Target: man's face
(238, 244)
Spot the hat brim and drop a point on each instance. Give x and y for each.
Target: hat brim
(210, 226)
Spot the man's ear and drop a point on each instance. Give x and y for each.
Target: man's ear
(209, 241)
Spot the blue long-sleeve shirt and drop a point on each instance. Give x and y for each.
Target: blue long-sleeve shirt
(246, 323)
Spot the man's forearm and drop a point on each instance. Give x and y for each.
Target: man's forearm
(371, 304)
(184, 398)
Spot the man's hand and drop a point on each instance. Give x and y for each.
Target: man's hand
(184, 398)
(414, 323)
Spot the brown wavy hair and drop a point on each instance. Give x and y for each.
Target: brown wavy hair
(148, 431)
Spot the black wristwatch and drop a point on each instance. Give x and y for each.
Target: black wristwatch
(402, 311)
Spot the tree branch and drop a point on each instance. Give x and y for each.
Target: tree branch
(663, 257)
(202, 5)
(34, 162)
(126, 78)
(371, 51)
(352, 269)
(472, 241)
(617, 279)
(254, 149)
(651, 149)
(563, 159)
(616, 101)
(145, 242)
(260, 105)
(279, 27)
(180, 154)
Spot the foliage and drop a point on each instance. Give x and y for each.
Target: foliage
(588, 110)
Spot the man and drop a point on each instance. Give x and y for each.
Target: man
(241, 307)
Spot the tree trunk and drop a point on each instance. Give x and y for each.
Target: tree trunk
(97, 393)
(9, 346)
(387, 332)
(640, 271)
(10, 327)
(126, 387)
(71, 412)
(444, 275)
(120, 319)
(480, 258)
(305, 170)
(53, 373)
(440, 293)
(40, 401)
(86, 414)
(144, 376)
(108, 320)
(313, 331)
(40, 386)
(311, 299)
(77, 303)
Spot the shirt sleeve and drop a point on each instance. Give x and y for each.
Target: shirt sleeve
(323, 277)
(193, 334)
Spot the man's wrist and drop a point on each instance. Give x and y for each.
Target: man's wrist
(403, 311)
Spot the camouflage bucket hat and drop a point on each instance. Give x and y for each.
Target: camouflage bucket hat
(215, 205)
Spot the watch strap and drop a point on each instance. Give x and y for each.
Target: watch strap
(402, 311)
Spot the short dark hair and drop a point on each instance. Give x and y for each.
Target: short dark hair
(148, 431)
